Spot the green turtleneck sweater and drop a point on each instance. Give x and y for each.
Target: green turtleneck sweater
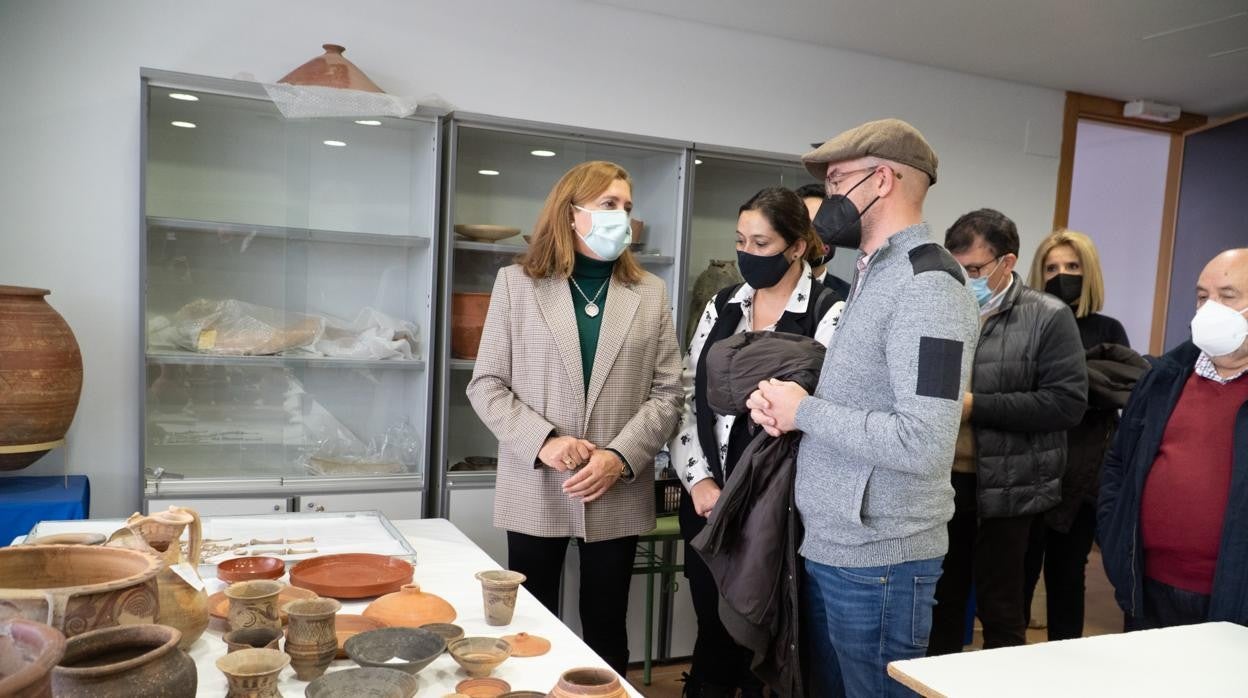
(591, 275)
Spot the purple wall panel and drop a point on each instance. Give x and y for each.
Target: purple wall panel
(1213, 215)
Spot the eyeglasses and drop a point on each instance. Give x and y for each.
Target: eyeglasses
(834, 182)
(975, 270)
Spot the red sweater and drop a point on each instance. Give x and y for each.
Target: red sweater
(1186, 491)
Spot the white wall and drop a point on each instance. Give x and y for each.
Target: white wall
(69, 129)
(1116, 196)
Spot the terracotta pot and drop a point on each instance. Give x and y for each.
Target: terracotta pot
(41, 371)
(134, 661)
(253, 673)
(467, 321)
(410, 607)
(310, 640)
(331, 70)
(586, 682)
(28, 651)
(253, 604)
(182, 605)
(498, 594)
(76, 588)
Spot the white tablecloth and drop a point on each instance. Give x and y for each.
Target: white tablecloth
(446, 563)
(1206, 660)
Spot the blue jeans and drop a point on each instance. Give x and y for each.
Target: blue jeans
(858, 619)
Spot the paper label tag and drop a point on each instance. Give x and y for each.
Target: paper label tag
(189, 575)
(207, 340)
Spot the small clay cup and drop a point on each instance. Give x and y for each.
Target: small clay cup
(311, 641)
(252, 638)
(498, 594)
(253, 604)
(253, 673)
(479, 656)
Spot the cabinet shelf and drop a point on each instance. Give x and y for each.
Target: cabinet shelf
(183, 225)
(506, 249)
(463, 364)
(187, 358)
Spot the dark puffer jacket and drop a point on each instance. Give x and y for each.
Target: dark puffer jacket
(751, 539)
(1030, 385)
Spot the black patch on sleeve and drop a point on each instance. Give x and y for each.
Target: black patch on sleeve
(940, 368)
(933, 257)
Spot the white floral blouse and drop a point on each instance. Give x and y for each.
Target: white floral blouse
(687, 457)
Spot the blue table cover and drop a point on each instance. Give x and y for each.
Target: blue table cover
(26, 500)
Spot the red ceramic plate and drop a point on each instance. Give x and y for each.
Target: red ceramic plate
(242, 569)
(351, 575)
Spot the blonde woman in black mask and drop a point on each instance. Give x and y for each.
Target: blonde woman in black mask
(775, 245)
(1067, 265)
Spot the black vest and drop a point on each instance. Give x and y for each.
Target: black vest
(729, 316)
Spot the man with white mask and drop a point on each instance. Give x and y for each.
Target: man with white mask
(1173, 510)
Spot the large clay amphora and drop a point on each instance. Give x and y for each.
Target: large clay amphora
(183, 599)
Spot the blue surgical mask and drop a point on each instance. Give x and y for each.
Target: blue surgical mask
(982, 292)
(610, 232)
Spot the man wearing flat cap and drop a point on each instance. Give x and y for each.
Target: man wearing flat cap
(878, 434)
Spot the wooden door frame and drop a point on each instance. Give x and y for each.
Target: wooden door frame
(1086, 107)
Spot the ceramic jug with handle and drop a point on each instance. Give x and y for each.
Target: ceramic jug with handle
(183, 597)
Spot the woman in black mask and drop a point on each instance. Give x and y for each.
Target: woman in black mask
(1066, 265)
(775, 245)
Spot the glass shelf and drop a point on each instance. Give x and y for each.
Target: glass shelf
(188, 358)
(644, 258)
(177, 225)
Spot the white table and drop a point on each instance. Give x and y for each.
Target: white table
(446, 563)
(1204, 660)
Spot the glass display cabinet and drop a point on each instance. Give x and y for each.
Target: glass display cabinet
(288, 277)
(723, 179)
(498, 173)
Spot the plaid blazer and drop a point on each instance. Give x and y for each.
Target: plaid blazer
(528, 383)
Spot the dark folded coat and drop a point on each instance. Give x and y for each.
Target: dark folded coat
(751, 539)
(1113, 370)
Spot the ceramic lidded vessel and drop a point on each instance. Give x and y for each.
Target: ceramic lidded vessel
(331, 69)
(409, 607)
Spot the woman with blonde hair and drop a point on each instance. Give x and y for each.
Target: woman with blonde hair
(578, 376)
(1066, 265)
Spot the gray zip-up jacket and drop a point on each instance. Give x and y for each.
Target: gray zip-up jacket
(873, 483)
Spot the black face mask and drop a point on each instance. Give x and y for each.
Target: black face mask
(839, 222)
(1068, 287)
(763, 272)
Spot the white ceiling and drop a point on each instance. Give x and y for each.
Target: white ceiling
(1193, 53)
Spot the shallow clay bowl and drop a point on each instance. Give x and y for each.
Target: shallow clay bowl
(351, 575)
(479, 656)
(523, 694)
(347, 626)
(447, 631)
(373, 682)
(243, 569)
(482, 688)
(219, 605)
(486, 233)
(415, 646)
